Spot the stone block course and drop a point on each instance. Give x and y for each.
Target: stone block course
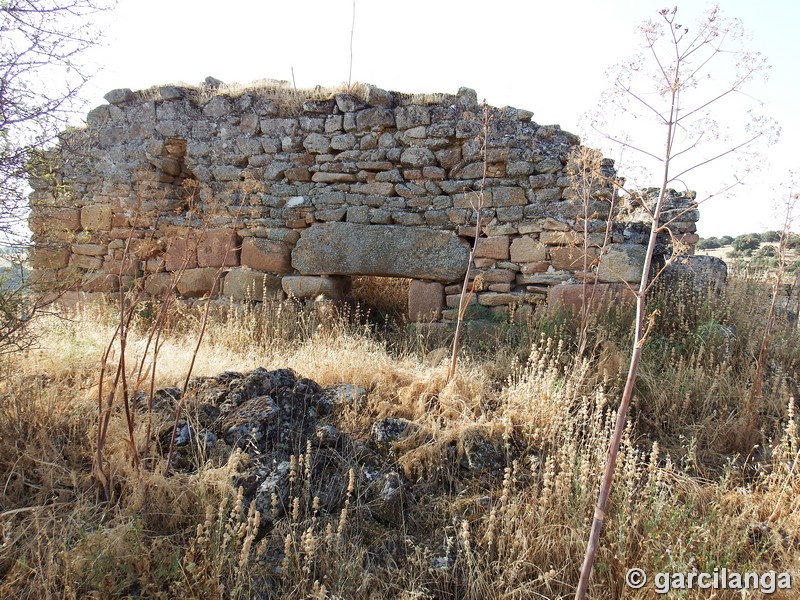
(371, 182)
(493, 247)
(305, 286)
(425, 301)
(266, 255)
(195, 283)
(96, 217)
(218, 248)
(246, 285)
(386, 251)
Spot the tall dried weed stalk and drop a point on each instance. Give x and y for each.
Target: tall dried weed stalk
(686, 97)
(466, 289)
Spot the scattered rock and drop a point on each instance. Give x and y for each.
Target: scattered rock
(480, 453)
(387, 503)
(213, 83)
(346, 394)
(273, 493)
(700, 273)
(393, 429)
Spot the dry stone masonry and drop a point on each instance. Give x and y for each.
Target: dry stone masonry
(292, 194)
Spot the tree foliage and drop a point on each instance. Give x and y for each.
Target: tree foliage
(41, 76)
(746, 243)
(708, 243)
(681, 84)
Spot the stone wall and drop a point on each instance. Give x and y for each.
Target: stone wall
(292, 193)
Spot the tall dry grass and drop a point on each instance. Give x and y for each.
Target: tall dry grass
(691, 496)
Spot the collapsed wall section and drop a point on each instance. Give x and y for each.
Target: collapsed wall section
(291, 193)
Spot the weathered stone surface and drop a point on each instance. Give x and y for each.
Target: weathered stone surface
(526, 249)
(153, 165)
(89, 263)
(348, 395)
(498, 276)
(509, 196)
(496, 247)
(158, 284)
(375, 96)
(50, 258)
(621, 262)
(374, 118)
(380, 250)
(218, 248)
(306, 286)
(387, 498)
(128, 266)
(96, 217)
(90, 249)
(470, 171)
(181, 254)
(265, 255)
(701, 273)
(417, 157)
(217, 107)
(412, 116)
(498, 299)
(571, 296)
(534, 267)
(449, 157)
(569, 258)
(425, 300)
(317, 143)
(275, 487)
(244, 284)
(119, 96)
(321, 107)
(321, 177)
(393, 429)
(549, 277)
(198, 282)
(52, 220)
(100, 282)
(480, 450)
(561, 238)
(348, 103)
(227, 173)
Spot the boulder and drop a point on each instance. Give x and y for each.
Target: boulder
(571, 296)
(425, 300)
(218, 248)
(702, 273)
(265, 255)
(387, 497)
(392, 429)
(96, 217)
(306, 286)
(273, 493)
(526, 249)
(493, 247)
(346, 394)
(248, 285)
(198, 282)
(622, 262)
(381, 251)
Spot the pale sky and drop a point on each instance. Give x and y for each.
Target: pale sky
(547, 57)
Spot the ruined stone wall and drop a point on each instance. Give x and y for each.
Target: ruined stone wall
(292, 193)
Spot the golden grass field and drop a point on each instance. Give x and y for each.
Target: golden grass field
(701, 483)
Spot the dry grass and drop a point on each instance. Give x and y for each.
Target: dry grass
(689, 494)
